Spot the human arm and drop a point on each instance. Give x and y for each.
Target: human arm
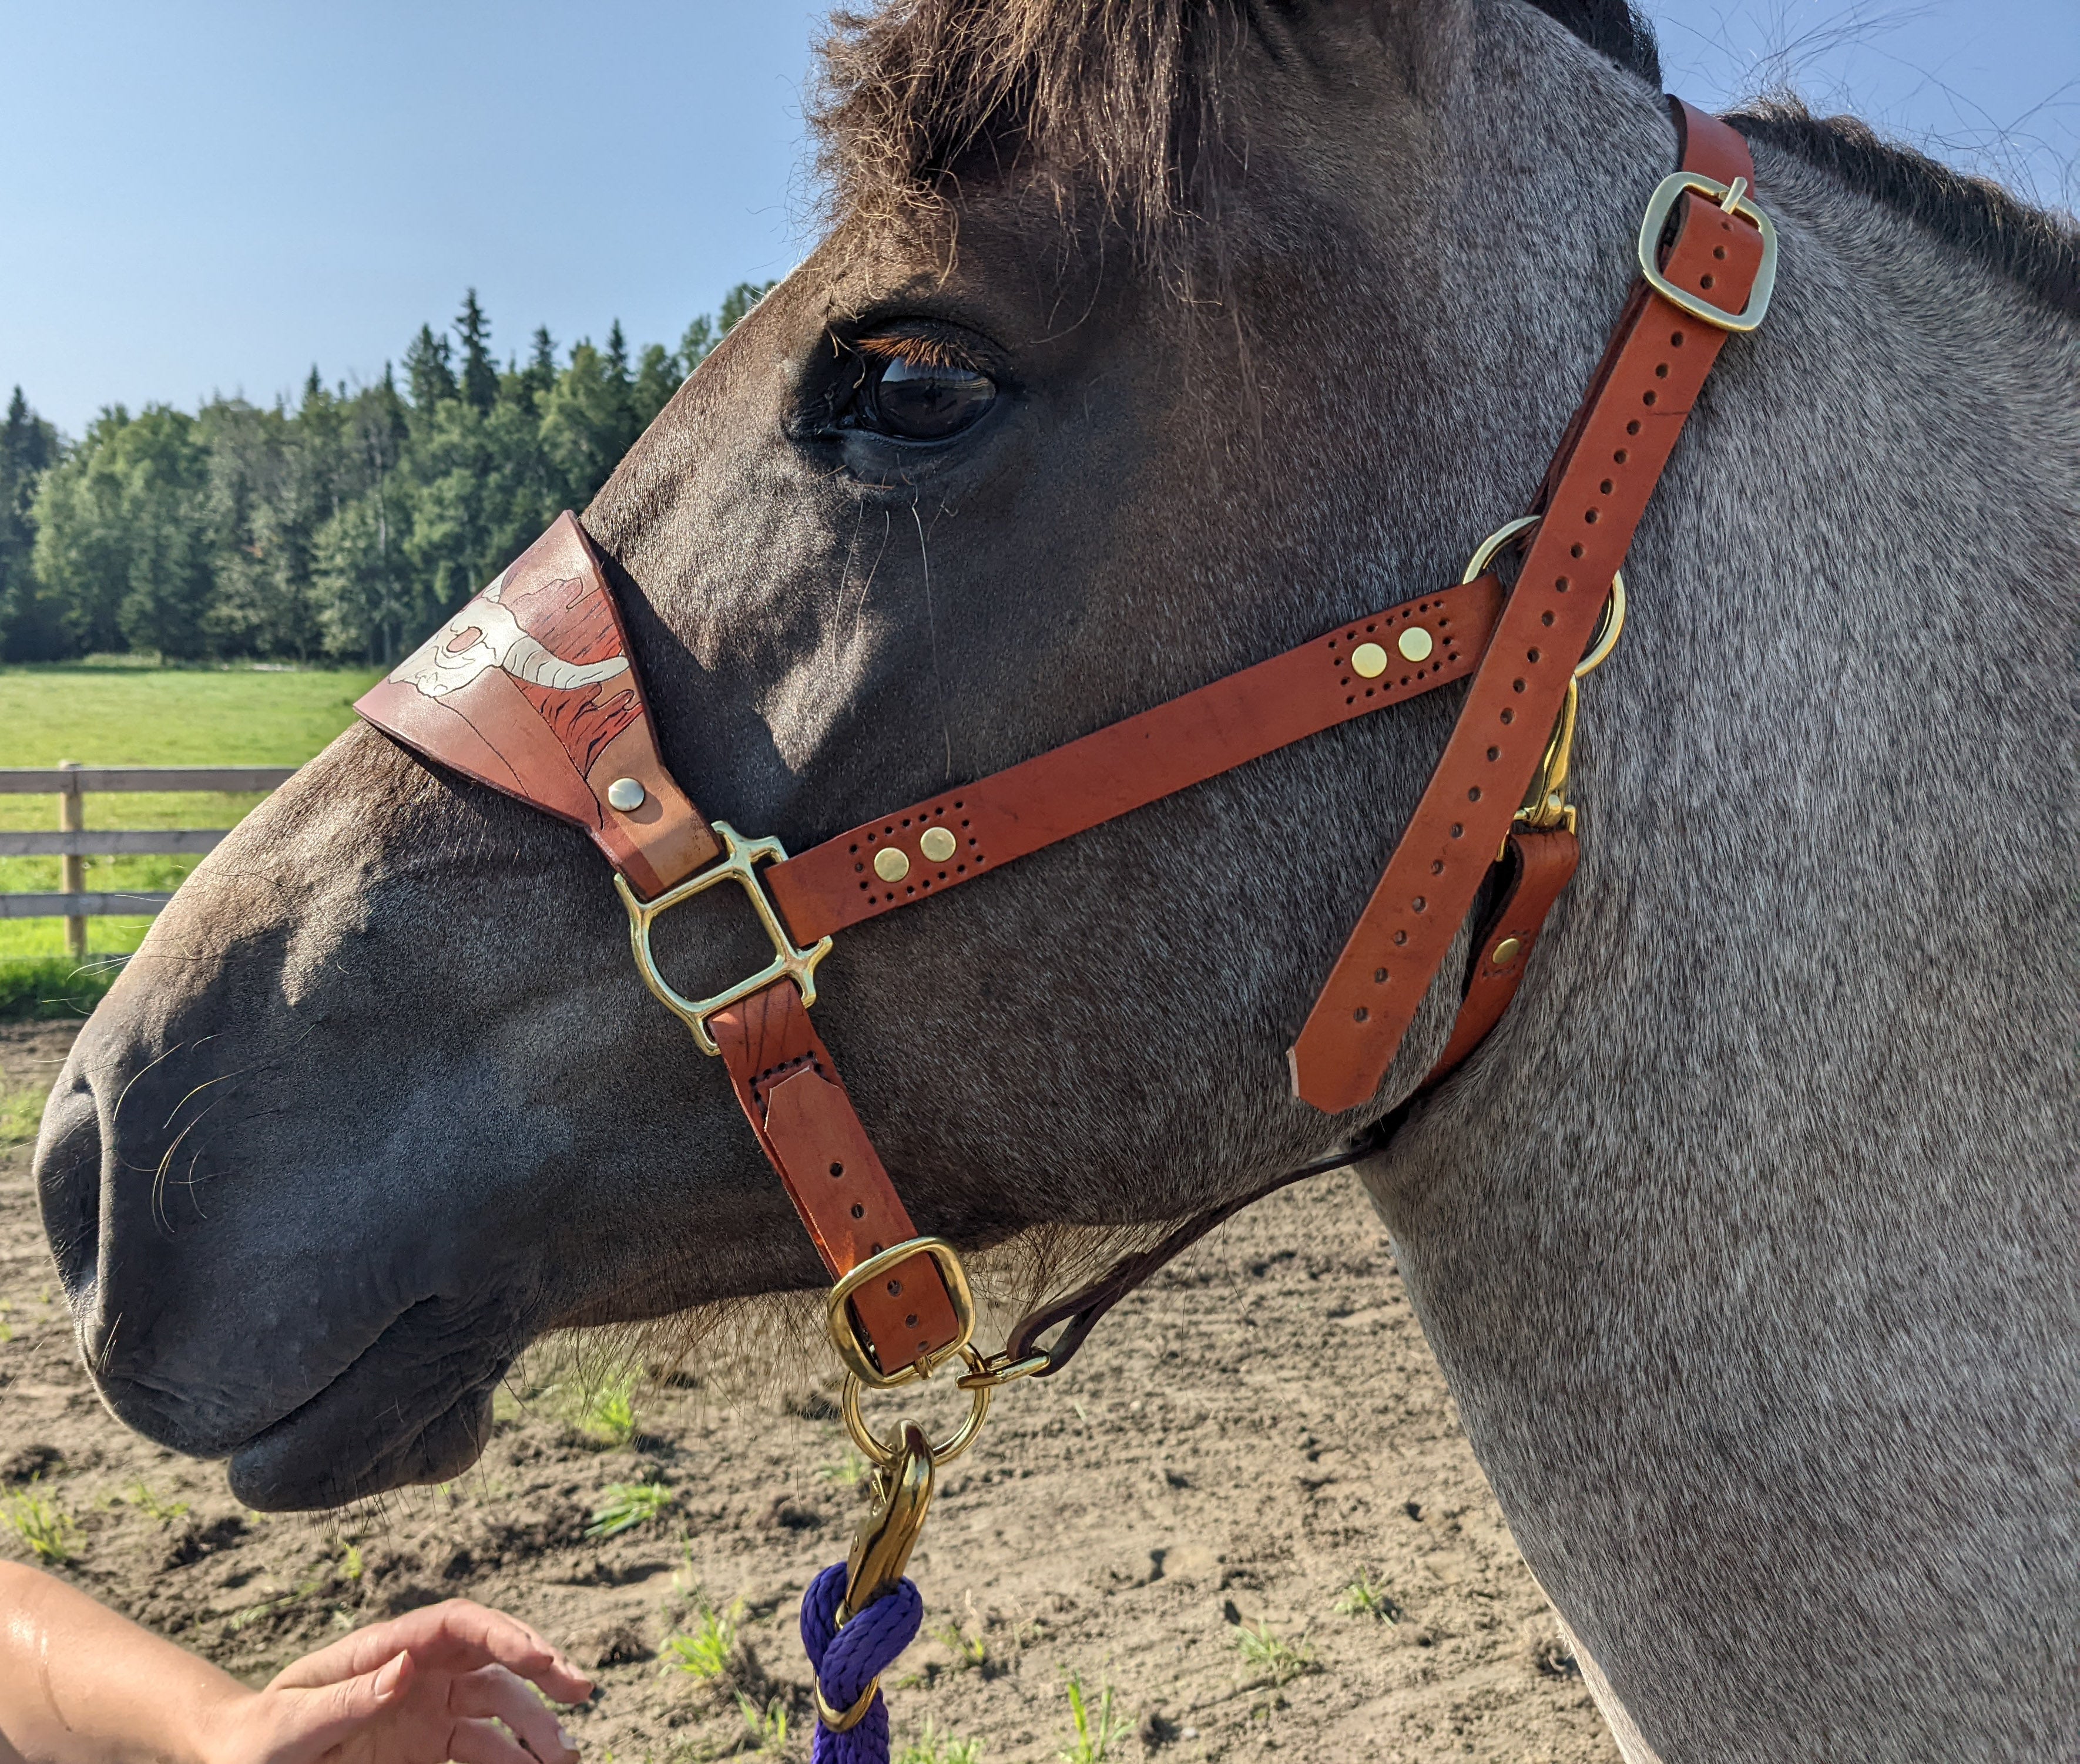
(80, 1685)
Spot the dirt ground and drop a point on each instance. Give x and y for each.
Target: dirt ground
(1241, 1443)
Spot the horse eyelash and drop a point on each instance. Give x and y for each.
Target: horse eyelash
(929, 348)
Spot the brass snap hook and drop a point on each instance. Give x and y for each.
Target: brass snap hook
(881, 1550)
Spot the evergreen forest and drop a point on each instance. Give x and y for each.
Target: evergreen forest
(343, 527)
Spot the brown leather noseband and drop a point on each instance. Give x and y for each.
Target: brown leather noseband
(530, 689)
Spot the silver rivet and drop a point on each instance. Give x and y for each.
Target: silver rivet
(937, 844)
(627, 795)
(1369, 661)
(1414, 643)
(890, 865)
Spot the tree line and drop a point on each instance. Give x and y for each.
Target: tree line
(342, 527)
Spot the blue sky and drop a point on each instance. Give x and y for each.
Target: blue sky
(205, 196)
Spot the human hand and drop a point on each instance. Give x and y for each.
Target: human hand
(423, 1688)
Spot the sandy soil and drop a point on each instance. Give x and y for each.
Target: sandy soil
(1242, 1442)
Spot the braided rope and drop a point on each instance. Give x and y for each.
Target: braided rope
(848, 1659)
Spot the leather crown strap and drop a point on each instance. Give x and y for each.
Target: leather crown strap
(530, 689)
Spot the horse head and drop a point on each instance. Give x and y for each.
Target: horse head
(1144, 343)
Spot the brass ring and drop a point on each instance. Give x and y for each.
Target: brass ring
(882, 1454)
(1608, 625)
(1608, 628)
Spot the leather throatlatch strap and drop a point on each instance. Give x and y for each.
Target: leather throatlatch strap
(1614, 456)
(530, 689)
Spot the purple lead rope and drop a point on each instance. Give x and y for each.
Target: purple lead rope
(848, 1659)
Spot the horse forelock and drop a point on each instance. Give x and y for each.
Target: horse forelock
(919, 95)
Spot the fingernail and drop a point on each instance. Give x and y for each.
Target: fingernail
(387, 1680)
(565, 1740)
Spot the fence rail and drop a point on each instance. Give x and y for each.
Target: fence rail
(166, 842)
(72, 843)
(65, 780)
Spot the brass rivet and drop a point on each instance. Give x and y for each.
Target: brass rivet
(938, 844)
(1369, 660)
(626, 795)
(1505, 952)
(890, 865)
(1414, 643)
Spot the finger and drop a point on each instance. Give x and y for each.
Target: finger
(455, 1636)
(460, 1635)
(304, 1723)
(493, 1690)
(484, 1742)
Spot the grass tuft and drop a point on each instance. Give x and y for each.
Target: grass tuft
(1362, 1598)
(140, 1495)
(848, 1472)
(1270, 1654)
(708, 1650)
(970, 1651)
(1093, 1728)
(765, 1728)
(50, 1533)
(602, 1410)
(626, 1505)
(933, 1747)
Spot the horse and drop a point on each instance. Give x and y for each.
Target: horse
(1144, 341)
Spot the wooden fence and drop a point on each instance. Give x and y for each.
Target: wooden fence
(73, 844)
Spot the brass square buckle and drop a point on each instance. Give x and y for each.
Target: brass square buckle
(736, 865)
(1733, 198)
(843, 1331)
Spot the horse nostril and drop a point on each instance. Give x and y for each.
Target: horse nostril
(68, 1183)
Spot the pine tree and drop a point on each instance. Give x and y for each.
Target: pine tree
(480, 373)
(540, 373)
(429, 372)
(28, 448)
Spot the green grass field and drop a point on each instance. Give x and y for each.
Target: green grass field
(117, 712)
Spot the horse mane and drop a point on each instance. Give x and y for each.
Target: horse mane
(919, 93)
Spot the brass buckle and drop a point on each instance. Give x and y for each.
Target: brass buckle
(737, 865)
(858, 1356)
(1733, 198)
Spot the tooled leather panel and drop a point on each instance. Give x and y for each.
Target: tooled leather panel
(1619, 449)
(1132, 763)
(530, 690)
(797, 1105)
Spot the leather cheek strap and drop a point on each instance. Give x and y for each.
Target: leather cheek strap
(789, 1087)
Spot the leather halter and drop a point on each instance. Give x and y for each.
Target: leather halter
(530, 690)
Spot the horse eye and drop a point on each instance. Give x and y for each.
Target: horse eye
(913, 401)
